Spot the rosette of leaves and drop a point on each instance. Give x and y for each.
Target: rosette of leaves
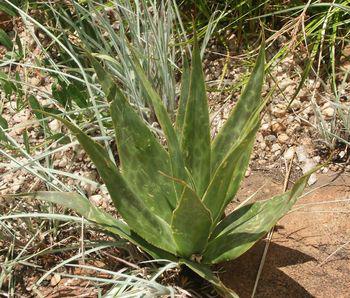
(172, 199)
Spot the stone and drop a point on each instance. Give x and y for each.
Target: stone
(288, 155)
(248, 172)
(263, 145)
(279, 110)
(283, 138)
(56, 278)
(328, 112)
(63, 163)
(277, 127)
(296, 104)
(275, 147)
(55, 125)
(265, 129)
(97, 200)
(270, 138)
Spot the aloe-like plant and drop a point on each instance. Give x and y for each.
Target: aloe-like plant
(172, 198)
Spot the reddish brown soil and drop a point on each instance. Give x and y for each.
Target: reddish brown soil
(296, 264)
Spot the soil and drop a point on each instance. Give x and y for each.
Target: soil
(309, 255)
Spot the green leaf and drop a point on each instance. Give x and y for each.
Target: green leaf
(229, 174)
(191, 224)
(5, 40)
(90, 212)
(205, 272)
(239, 231)
(134, 211)
(20, 47)
(36, 106)
(185, 88)
(248, 102)
(3, 125)
(26, 141)
(143, 160)
(177, 162)
(8, 9)
(60, 137)
(77, 96)
(105, 79)
(196, 133)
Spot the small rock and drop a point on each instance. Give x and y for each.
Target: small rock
(63, 163)
(55, 125)
(35, 81)
(306, 163)
(248, 172)
(277, 153)
(283, 138)
(265, 129)
(285, 83)
(279, 110)
(277, 127)
(317, 158)
(97, 200)
(290, 89)
(56, 278)
(275, 147)
(270, 138)
(328, 112)
(296, 104)
(325, 170)
(279, 113)
(288, 155)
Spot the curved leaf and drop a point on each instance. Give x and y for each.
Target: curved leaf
(134, 211)
(244, 227)
(185, 87)
(143, 160)
(90, 212)
(248, 102)
(5, 40)
(177, 162)
(229, 174)
(196, 133)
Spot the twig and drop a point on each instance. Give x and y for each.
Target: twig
(333, 253)
(270, 234)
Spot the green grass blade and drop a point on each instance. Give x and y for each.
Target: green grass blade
(248, 102)
(185, 87)
(191, 224)
(196, 133)
(143, 160)
(140, 219)
(5, 40)
(239, 231)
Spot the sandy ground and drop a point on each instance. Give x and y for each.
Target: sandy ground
(309, 252)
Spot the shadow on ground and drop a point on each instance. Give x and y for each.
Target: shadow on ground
(240, 274)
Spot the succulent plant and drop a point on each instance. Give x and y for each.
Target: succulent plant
(172, 198)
